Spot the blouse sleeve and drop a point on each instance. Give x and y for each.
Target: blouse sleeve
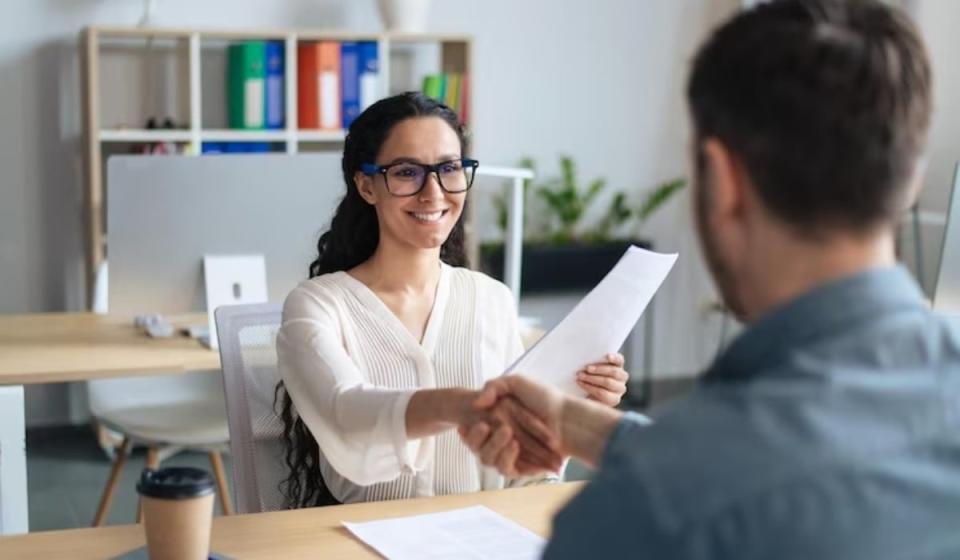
(360, 428)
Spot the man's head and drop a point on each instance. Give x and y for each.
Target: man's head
(809, 119)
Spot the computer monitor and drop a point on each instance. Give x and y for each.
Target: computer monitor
(946, 294)
(164, 213)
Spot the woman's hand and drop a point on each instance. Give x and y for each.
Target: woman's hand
(505, 434)
(605, 382)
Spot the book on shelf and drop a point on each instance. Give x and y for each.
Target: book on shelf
(442, 89)
(349, 81)
(274, 90)
(336, 82)
(465, 99)
(450, 89)
(308, 85)
(452, 97)
(245, 84)
(431, 86)
(369, 74)
(211, 148)
(318, 85)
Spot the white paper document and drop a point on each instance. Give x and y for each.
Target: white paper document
(474, 533)
(599, 324)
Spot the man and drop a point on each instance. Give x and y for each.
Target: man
(831, 427)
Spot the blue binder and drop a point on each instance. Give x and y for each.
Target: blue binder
(349, 81)
(369, 74)
(274, 90)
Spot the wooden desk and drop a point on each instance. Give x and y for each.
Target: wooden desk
(309, 533)
(56, 347)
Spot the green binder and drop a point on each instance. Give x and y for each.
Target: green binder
(432, 86)
(246, 78)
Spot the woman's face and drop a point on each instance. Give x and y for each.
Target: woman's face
(424, 220)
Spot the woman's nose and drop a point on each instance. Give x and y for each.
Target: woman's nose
(431, 190)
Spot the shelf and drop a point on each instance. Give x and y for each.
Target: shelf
(400, 37)
(144, 135)
(321, 135)
(231, 135)
(232, 34)
(218, 135)
(181, 70)
(274, 34)
(335, 35)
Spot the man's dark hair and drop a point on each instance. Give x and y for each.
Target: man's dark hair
(826, 103)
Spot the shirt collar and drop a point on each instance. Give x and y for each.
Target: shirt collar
(830, 308)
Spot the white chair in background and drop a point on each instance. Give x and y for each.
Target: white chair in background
(248, 357)
(162, 413)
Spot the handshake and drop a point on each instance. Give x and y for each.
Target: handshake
(525, 428)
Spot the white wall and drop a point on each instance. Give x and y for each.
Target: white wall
(939, 21)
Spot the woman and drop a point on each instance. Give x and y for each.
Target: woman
(382, 350)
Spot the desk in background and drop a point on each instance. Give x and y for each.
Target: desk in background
(59, 347)
(304, 533)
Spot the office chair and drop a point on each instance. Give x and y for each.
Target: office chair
(248, 356)
(161, 413)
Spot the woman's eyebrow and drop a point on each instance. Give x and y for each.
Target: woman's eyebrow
(405, 159)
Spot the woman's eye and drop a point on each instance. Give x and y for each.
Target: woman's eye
(406, 172)
(449, 168)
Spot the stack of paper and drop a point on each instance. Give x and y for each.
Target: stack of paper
(474, 533)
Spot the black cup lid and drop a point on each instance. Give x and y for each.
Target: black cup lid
(175, 483)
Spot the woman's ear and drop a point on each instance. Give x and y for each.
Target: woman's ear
(364, 185)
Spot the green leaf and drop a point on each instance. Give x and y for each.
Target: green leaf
(593, 190)
(565, 204)
(659, 196)
(619, 210)
(568, 172)
(500, 204)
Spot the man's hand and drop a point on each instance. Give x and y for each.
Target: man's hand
(511, 438)
(535, 410)
(564, 425)
(507, 435)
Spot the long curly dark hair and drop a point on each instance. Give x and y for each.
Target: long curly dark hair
(351, 240)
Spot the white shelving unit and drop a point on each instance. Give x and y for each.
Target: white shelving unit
(170, 65)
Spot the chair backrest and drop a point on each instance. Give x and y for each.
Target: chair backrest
(248, 356)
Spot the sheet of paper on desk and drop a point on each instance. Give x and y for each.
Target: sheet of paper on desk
(600, 323)
(474, 533)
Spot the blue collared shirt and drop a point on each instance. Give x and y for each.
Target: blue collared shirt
(829, 429)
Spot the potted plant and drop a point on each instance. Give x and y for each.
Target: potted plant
(562, 253)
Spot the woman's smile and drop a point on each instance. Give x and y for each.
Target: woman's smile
(429, 217)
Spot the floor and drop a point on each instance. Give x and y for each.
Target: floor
(66, 473)
(67, 470)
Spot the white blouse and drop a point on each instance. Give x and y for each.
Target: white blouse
(350, 367)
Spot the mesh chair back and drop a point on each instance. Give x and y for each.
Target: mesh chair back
(248, 356)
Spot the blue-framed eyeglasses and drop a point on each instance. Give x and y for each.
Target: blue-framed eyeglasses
(407, 178)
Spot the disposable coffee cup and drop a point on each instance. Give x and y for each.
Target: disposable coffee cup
(177, 512)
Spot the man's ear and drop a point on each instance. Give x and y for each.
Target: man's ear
(915, 185)
(728, 190)
(364, 184)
